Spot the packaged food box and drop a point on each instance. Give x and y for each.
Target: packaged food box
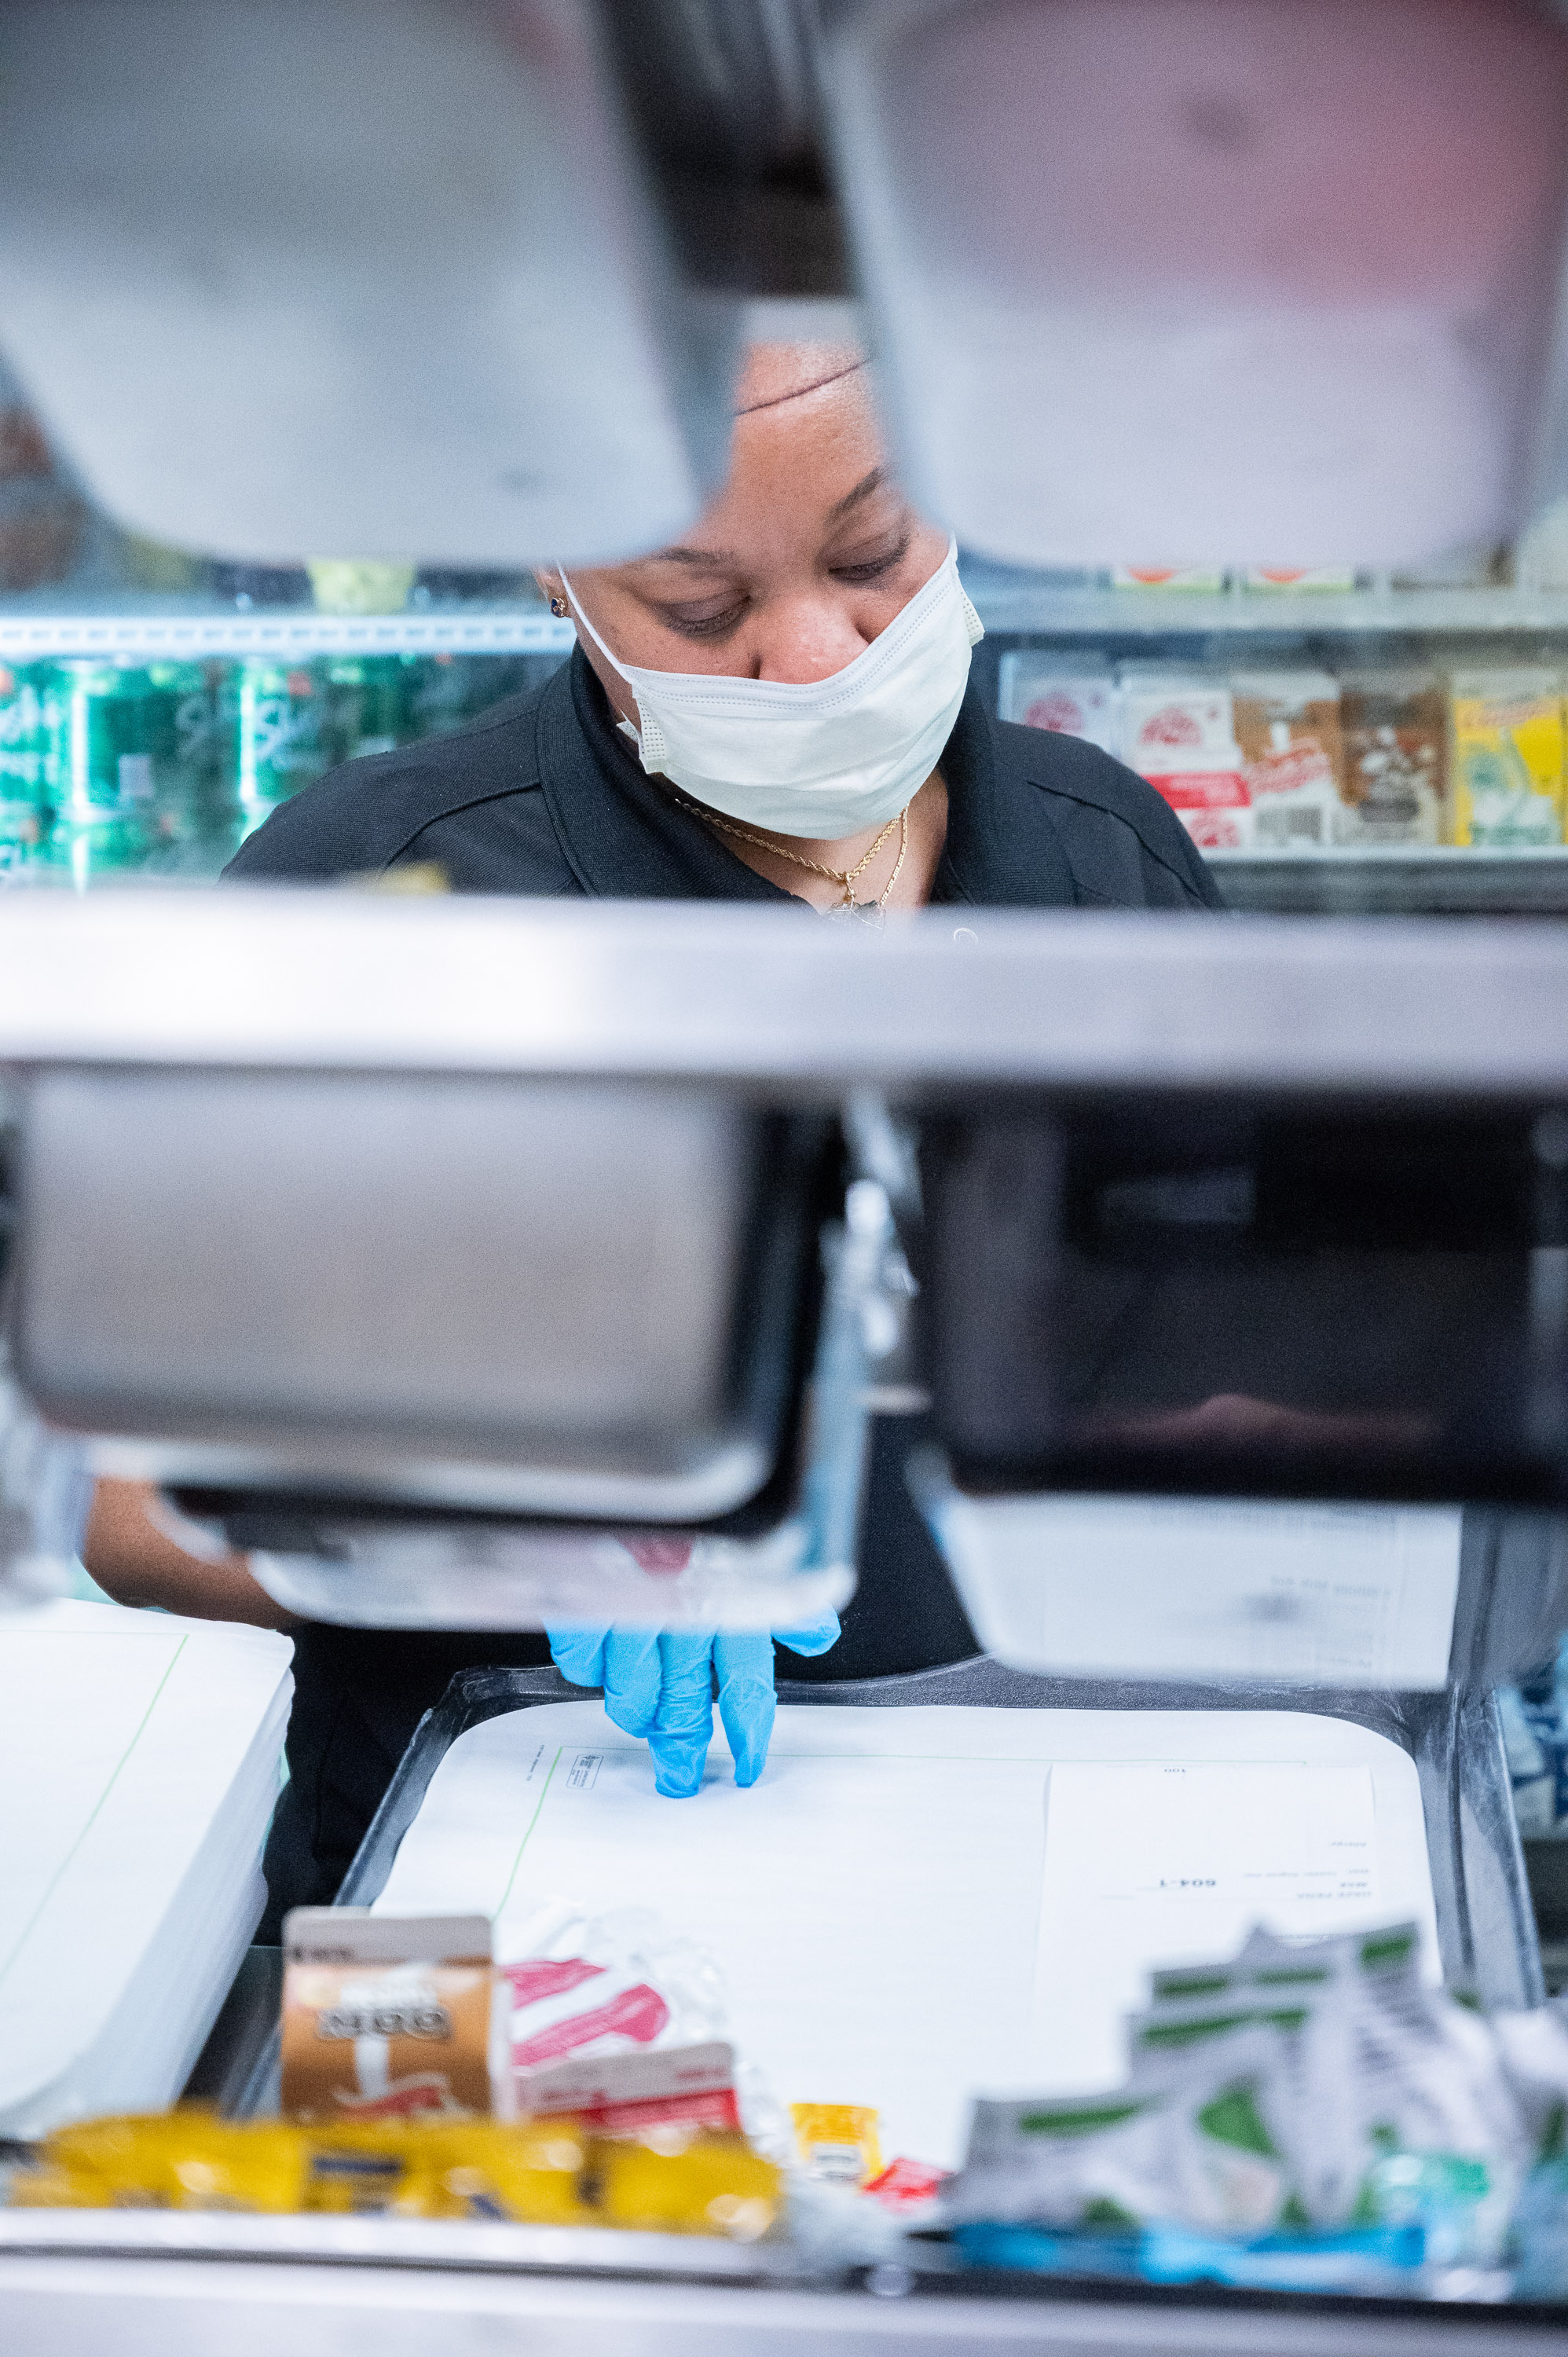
(1178, 731)
(391, 2017)
(1394, 725)
(1073, 695)
(1505, 744)
(1168, 576)
(1287, 725)
(1298, 577)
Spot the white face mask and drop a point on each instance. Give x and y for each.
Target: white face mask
(826, 761)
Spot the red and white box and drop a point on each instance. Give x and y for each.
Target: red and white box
(1069, 694)
(601, 2041)
(1178, 730)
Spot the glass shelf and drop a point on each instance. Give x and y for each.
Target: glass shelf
(136, 635)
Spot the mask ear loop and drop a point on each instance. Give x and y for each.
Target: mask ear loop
(649, 738)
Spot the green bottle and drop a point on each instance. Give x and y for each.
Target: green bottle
(86, 851)
(370, 703)
(278, 737)
(24, 811)
(112, 744)
(191, 780)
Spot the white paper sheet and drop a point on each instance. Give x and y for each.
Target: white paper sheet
(1172, 1861)
(1355, 1596)
(875, 1901)
(138, 1764)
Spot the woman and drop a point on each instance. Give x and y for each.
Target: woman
(842, 760)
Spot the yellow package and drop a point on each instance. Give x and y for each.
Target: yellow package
(490, 2169)
(44, 2185)
(683, 2181)
(119, 2162)
(1506, 732)
(837, 2142)
(358, 2167)
(174, 2160)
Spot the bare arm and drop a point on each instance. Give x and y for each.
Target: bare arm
(135, 1560)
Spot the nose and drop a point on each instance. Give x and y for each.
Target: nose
(807, 637)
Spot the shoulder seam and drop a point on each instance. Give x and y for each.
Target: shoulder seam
(1088, 801)
(473, 802)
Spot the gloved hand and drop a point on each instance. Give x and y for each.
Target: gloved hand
(658, 1683)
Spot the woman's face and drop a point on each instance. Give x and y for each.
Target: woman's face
(805, 557)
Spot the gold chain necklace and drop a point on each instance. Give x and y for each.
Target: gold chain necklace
(845, 877)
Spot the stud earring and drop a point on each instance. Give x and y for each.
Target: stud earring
(559, 607)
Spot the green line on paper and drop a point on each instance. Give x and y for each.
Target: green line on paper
(31, 1924)
(522, 1845)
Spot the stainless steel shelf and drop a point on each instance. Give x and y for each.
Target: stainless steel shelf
(130, 636)
(1446, 881)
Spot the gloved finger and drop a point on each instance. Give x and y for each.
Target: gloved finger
(632, 1679)
(816, 1636)
(579, 1654)
(679, 1737)
(743, 1659)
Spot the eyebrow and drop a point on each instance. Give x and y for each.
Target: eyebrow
(716, 559)
(863, 490)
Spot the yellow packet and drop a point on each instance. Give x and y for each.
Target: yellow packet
(1507, 761)
(173, 2160)
(838, 2142)
(357, 2167)
(490, 2169)
(686, 2181)
(46, 2185)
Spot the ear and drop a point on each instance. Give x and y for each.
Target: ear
(550, 583)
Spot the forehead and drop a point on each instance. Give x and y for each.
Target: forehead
(805, 434)
(774, 375)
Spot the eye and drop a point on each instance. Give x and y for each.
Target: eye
(707, 625)
(872, 568)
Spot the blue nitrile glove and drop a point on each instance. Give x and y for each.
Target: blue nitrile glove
(658, 1683)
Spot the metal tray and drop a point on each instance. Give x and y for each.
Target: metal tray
(1486, 1927)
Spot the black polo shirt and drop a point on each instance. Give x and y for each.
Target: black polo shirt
(545, 796)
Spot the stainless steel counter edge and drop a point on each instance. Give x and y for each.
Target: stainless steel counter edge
(473, 2244)
(58, 2306)
(777, 998)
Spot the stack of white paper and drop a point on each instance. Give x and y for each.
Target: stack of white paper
(138, 1771)
(917, 1906)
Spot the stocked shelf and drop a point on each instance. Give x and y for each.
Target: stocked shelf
(152, 637)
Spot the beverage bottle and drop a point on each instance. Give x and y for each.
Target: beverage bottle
(23, 809)
(370, 703)
(440, 692)
(189, 784)
(112, 760)
(277, 733)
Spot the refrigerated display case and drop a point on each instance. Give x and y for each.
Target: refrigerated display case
(1084, 625)
(152, 738)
